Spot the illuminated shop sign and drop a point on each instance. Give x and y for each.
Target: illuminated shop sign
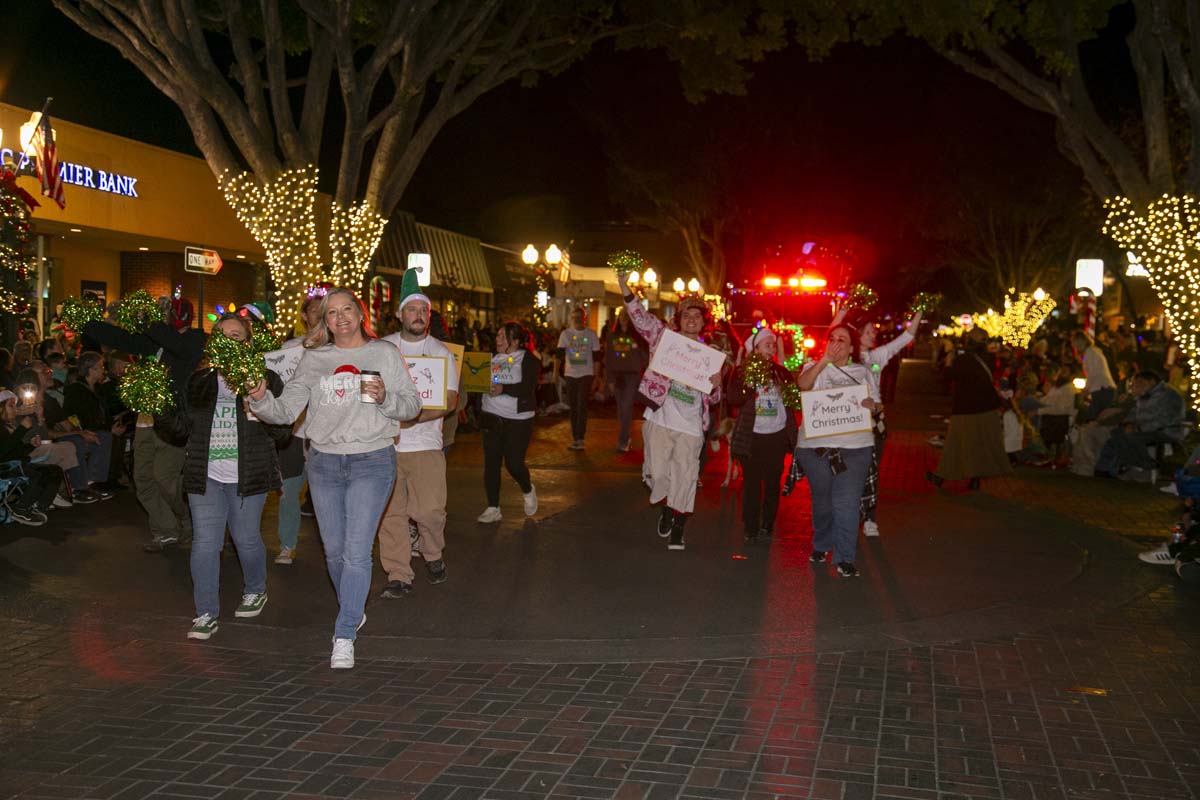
(79, 175)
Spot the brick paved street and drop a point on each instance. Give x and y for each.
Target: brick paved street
(1002, 644)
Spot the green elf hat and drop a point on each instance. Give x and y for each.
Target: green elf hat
(258, 311)
(410, 290)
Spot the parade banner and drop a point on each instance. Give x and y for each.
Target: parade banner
(284, 362)
(476, 373)
(429, 376)
(830, 412)
(686, 361)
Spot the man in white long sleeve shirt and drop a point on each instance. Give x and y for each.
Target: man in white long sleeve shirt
(1100, 387)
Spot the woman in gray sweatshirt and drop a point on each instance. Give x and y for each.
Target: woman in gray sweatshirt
(351, 425)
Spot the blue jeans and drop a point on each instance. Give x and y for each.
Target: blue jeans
(211, 512)
(836, 500)
(625, 390)
(1124, 450)
(289, 511)
(94, 459)
(349, 494)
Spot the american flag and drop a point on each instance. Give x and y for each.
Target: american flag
(47, 162)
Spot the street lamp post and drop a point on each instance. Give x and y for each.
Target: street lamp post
(542, 264)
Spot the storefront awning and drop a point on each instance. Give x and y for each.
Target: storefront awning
(457, 260)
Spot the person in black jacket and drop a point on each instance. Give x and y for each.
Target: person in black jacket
(763, 434)
(157, 464)
(30, 505)
(507, 418)
(229, 466)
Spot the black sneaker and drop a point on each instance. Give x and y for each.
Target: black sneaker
(437, 571)
(751, 536)
(766, 532)
(85, 496)
(396, 590)
(414, 539)
(27, 516)
(100, 492)
(676, 541)
(665, 521)
(847, 570)
(160, 544)
(818, 556)
(306, 508)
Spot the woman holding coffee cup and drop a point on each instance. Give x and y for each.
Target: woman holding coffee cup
(357, 391)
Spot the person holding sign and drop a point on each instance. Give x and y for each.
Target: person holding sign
(763, 433)
(578, 349)
(229, 465)
(677, 413)
(835, 451)
(357, 391)
(507, 418)
(419, 495)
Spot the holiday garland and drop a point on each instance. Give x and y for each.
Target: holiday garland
(759, 371)
(263, 340)
(137, 311)
(15, 238)
(926, 302)
(146, 387)
(860, 296)
(238, 363)
(76, 313)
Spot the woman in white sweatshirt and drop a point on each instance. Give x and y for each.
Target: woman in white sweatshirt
(351, 425)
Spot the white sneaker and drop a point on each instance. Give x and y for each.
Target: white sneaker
(490, 514)
(530, 501)
(286, 555)
(870, 528)
(343, 654)
(1158, 555)
(62, 502)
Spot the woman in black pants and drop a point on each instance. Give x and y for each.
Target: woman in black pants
(763, 434)
(507, 419)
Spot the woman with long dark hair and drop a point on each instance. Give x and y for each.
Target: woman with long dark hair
(507, 418)
(357, 391)
(229, 467)
(974, 445)
(836, 466)
(625, 359)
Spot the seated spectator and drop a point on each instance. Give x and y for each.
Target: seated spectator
(17, 443)
(57, 363)
(1057, 410)
(85, 404)
(93, 452)
(1157, 418)
(6, 368)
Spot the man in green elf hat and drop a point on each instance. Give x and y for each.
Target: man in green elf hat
(415, 520)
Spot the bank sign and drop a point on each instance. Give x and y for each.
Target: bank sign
(78, 175)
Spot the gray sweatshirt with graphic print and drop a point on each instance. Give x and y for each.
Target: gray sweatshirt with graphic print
(327, 382)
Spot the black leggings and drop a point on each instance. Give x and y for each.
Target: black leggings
(760, 479)
(505, 439)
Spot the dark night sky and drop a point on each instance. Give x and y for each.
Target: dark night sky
(869, 143)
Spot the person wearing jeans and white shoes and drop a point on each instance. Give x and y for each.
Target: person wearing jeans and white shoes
(350, 426)
(229, 466)
(507, 419)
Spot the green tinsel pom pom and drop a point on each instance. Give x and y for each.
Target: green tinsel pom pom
(756, 371)
(926, 302)
(137, 311)
(624, 262)
(76, 313)
(861, 296)
(263, 340)
(791, 396)
(237, 362)
(146, 388)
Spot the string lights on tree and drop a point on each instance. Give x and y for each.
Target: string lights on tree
(16, 257)
(1023, 315)
(1166, 242)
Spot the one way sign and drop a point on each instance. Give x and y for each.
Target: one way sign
(199, 260)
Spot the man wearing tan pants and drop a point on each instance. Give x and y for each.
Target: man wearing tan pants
(415, 520)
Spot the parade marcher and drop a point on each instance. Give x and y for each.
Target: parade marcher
(507, 418)
(157, 464)
(624, 362)
(578, 349)
(974, 445)
(764, 432)
(293, 455)
(419, 495)
(357, 391)
(676, 417)
(876, 360)
(836, 466)
(229, 467)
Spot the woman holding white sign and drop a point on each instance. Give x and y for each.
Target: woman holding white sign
(835, 445)
(677, 413)
(507, 419)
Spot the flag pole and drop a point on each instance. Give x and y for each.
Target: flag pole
(42, 113)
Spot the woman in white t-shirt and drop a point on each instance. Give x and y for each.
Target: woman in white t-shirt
(836, 466)
(507, 418)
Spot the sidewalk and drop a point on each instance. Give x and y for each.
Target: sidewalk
(1000, 644)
